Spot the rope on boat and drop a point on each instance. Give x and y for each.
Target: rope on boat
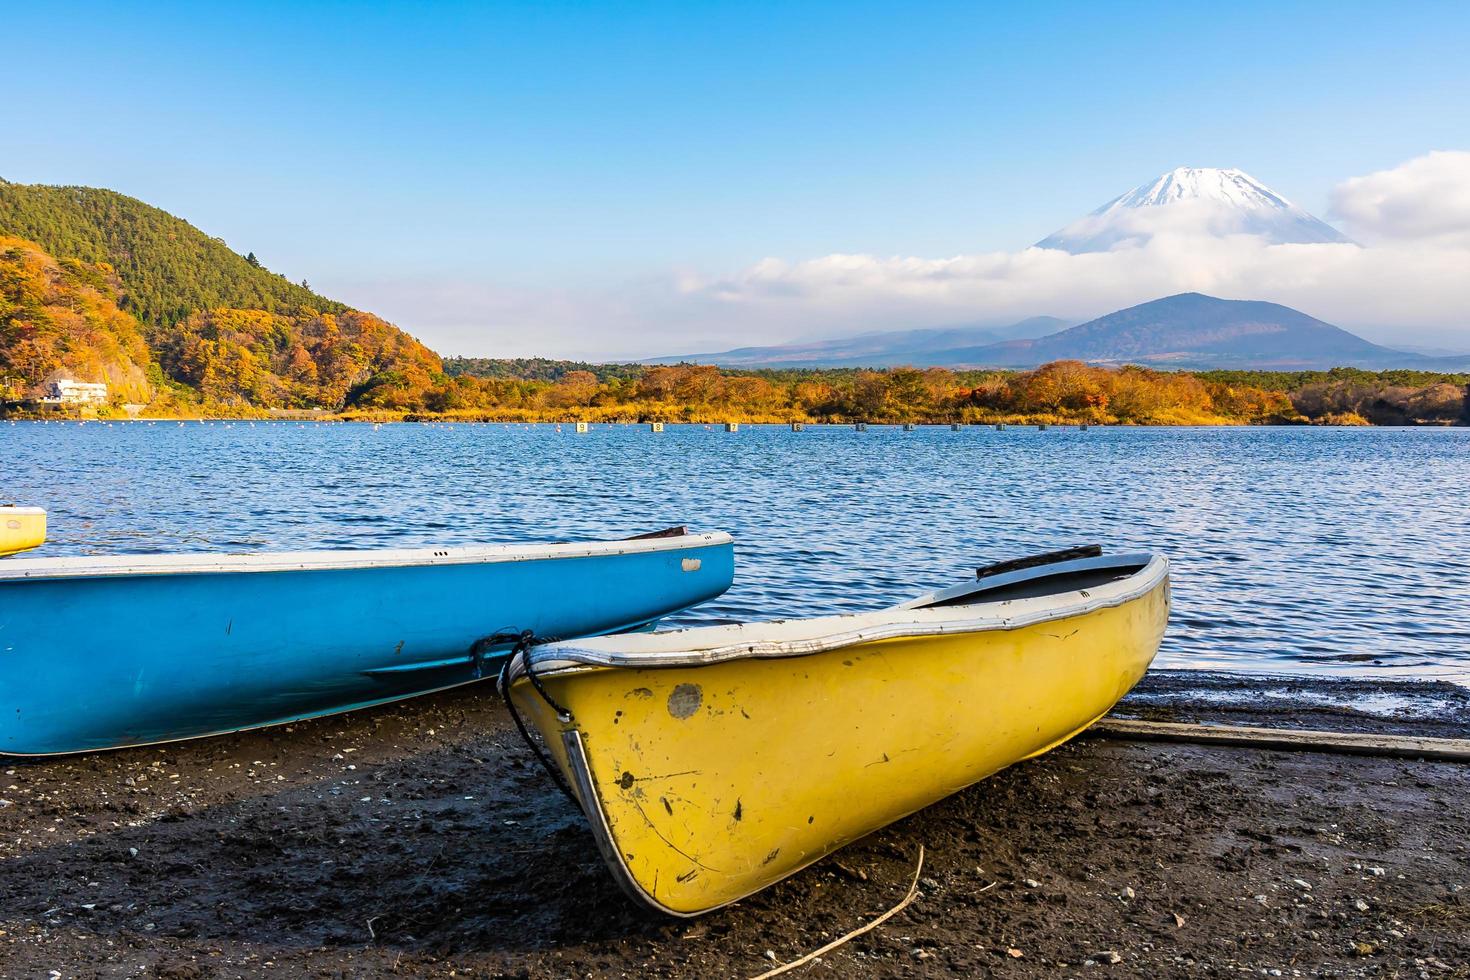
(524, 641)
(1288, 739)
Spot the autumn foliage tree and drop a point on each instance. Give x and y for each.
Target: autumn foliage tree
(60, 319)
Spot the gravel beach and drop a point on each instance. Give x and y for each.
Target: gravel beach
(422, 839)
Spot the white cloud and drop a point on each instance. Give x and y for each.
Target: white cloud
(1426, 198)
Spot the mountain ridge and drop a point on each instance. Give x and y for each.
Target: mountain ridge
(1192, 330)
(1185, 330)
(884, 348)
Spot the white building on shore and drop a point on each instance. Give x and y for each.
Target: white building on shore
(66, 392)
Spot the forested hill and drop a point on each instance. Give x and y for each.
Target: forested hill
(61, 318)
(167, 268)
(97, 286)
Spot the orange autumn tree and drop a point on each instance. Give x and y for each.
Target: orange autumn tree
(61, 319)
(302, 360)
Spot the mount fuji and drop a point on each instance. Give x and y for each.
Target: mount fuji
(1193, 201)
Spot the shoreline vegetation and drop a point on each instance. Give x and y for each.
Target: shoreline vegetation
(1060, 393)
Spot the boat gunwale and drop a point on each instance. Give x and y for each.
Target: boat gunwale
(570, 657)
(207, 563)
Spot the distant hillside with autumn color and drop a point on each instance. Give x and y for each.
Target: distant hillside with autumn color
(60, 318)
(97, 286)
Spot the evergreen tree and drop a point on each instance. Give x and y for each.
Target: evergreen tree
(168, 268)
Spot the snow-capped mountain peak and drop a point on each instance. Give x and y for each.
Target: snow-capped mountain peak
(1230, 186)
(1193, 201)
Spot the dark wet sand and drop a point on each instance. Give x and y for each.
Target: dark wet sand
(423, 840)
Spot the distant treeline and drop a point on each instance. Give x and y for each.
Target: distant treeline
(536, 368)
(1354, 396)
(1297, 380)
(549, 369)
(1064, 391)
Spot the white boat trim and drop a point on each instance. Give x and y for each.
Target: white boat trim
(19, 569)
(12, 509)
(802, 637)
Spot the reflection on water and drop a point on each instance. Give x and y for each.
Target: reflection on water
(1305, 550)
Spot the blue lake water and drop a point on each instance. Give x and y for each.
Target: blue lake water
(1343, 551)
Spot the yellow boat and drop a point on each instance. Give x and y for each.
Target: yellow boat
(713, 762)
(21, 529)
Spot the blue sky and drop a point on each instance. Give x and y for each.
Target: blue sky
(511, 178)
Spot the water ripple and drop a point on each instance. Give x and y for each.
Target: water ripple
(1305, 550)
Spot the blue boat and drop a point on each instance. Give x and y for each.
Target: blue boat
(103, 653)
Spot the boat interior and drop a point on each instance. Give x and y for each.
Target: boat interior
(1077, 569)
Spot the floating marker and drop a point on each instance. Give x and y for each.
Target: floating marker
(1082, 427)
(732, 426)
(955, 427)
(796, 426)
(1000, 427)
(581, 426)
(655, 427)
(1041, 427)
(861, 426)
(908, 427)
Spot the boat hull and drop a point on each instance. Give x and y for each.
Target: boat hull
(100, 661)
(707, 783)
(21, 529)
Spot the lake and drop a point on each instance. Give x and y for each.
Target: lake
(1295, 550)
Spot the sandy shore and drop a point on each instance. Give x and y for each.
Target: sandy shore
(423, 840)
